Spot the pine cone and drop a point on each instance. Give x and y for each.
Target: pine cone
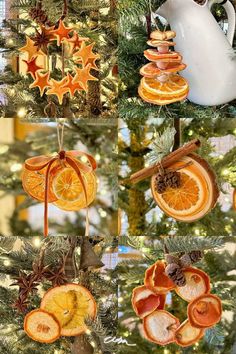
(195, 256)
(172, 179)
(171, 259)
(185, 260)
(39, 16)
(176, 274)
(160, 183)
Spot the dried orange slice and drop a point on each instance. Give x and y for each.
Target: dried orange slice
(160, 326)
(67, 185)
(197, 284)
(156, 279)
(145, 301)
(205, 311)
(169, 57)
(160, 43)
(42, 326)
(151, 72)
(70, 304)
(159, 100)
(162, 35)
(187, 335)
(34, 184)
(175, 86)
(91, 187)
(197, 194)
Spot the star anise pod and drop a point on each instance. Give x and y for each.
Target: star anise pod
(39, 270)
(21, 305)
(41, 40)
(26, 283)
(57, 276)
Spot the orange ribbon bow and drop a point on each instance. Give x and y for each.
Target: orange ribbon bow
(70, 157)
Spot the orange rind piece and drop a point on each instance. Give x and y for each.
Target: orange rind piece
(160, 327)
(145, 301)
(187, 335)
(197, 284)
(156, 279)
(163, 36)
(197, 194)
(42, 326)
(71, 304)
(205, 311)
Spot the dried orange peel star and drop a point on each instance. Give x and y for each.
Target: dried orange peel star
(41, 81)
(58, 89)
(61, 33)
(83, 76)
(31, 49)
(85, 53)
(32, 66)
(145, 301)
(156, 279)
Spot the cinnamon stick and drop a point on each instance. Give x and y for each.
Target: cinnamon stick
(166, 161)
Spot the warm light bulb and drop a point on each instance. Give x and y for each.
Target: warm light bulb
(97, 157)
(37, 242)
(3, 149)
(225, 172)
(190, 133)
(6, 262)
(22, 112)
(16, 167)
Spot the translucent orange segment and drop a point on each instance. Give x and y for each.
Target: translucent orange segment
(67, 185)
(184, 197)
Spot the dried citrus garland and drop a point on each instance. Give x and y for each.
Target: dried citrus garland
(161, 85)
(191, 284)
(62, 179)
(62, 312)
(72, 47)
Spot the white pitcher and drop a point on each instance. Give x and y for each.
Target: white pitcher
(207, 51)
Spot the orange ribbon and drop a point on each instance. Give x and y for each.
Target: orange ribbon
(70, 157)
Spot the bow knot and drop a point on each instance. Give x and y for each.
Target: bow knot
(40, 162)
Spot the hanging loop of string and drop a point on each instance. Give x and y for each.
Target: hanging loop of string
(60, 134)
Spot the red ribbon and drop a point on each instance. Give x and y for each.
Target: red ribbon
(70, 157)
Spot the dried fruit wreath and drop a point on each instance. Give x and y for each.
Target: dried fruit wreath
(73, 48)
(192, 285)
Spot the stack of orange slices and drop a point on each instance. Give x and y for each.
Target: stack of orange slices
(161, 84)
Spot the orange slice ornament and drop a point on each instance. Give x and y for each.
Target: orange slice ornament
(160, 327)
(71, 304)
(90, 182)
(156, 279)
(197, 284)
(145, 301)
(197, 194)
(42, 326)
(161, 85)
(187, 334)
(205, 311)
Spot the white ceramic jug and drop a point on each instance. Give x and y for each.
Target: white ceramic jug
(207, 51)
